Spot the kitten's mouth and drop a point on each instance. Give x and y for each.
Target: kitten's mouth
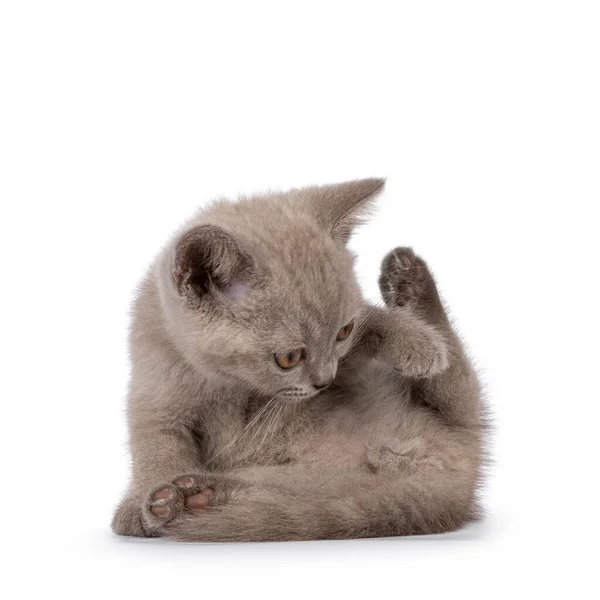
(296, 394)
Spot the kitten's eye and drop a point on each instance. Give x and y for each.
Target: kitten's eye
(344, 332)
(290, 359)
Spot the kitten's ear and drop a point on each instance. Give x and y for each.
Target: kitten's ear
(344, 206)
(209, 258)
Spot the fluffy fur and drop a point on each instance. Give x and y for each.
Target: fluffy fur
(227, 446)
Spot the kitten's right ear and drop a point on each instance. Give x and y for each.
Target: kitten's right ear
(342, 207)
(209, 258)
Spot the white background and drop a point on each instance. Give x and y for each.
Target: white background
(118, 119)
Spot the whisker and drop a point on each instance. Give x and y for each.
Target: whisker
(268, 415)
(242, 432)
(275, 422)
(268, 422)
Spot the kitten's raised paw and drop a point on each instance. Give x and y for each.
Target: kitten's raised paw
(191, 493)
(421, 352)
(404, 278)
(407, 342)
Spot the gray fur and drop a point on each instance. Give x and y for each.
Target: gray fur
(394, 446)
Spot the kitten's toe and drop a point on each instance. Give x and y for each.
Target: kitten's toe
(163, 505)
(200, 501)
(198, 495)
(404, 278)
(187, 493)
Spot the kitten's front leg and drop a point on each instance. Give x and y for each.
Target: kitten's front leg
(406, 342)
(161, 449)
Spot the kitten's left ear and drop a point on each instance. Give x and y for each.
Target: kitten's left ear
(208, 258)
(342, 207)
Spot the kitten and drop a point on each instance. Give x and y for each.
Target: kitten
(269, 401)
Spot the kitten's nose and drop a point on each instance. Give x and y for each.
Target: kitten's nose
(323, 374)
(322, 383)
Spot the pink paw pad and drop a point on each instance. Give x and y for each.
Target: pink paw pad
(184, 493)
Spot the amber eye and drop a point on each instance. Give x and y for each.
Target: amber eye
(290, 359)
(344, 332)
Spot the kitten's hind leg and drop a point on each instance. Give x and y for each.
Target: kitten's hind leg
(186, 495)
(406, 281)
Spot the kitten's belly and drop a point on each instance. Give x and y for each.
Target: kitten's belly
(337, 450)
(366, 419)
(313, 459)
(338, 437)
(347, 434)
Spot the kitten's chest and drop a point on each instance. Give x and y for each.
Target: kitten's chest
(234, 436)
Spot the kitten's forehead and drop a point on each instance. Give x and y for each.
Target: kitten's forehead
(315, 303)
(304, 262)
(310, 279)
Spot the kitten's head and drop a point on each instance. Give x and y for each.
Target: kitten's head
(262, 292)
